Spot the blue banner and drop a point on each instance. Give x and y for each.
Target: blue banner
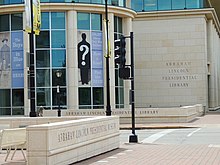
(17, 59)
(97, 78)
(97, 61)
(97, 41)
(18, 78)
(16, 41)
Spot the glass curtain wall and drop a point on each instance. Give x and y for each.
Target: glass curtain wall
(7, 2)
(121, 3)
(51, 57)
(11, 65)
(152, 5)
(90, 61)
(119, 83)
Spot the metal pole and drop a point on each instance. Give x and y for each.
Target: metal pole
(58, 100)
(32, 70)
(132, 138)
(108, 106)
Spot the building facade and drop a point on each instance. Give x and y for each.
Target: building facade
(177, 50)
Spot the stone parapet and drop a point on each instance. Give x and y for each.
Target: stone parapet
(66, 142)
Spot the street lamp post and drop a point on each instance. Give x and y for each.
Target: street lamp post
(32, 67)
(108, 107)
(58, 74)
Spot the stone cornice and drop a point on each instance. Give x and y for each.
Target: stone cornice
(119, 11)
(207, 13)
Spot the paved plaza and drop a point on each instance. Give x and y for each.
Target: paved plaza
(154, 154)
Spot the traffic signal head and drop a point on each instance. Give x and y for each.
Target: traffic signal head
(120, 51)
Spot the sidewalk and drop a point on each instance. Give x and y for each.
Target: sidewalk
(203, 121)
(153, 154)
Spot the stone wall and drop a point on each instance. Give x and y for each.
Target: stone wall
(66, 142)
(142, 115)
(170, 60)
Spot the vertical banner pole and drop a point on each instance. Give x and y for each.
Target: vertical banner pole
(108, 106)
(32, 69)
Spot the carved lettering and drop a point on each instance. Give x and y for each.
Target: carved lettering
(80, 133)
(179, 74)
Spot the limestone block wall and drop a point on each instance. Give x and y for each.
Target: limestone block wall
(170, 61)
(214, 65)
(66, 142)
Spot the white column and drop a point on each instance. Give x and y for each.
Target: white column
(111, 60)
(127, 28)
(26, 49)
(72, 69)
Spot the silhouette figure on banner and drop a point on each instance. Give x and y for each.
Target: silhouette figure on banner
(84, 59)
(4, 56)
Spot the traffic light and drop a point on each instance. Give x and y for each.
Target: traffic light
(120, 51)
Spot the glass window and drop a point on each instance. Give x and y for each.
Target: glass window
(61, 80)
(119, 96)
(58, 39)
(84, 1)
(164, 5)
(45, 20)
(118, 81)
(119, 85)
(4, 22)
(122, 3)
(97, 1)
(15, 1)
(83, 21)
(84, 96)
(62, 96)
(5, 98)
(96, 21)
(5, 2)
(192, 4)
(43, 77)
(43, 97)
(56, 1)
(43, 58)
(98, 98)
(17, 97)
(18, 111)
(115, 2)
(58, 20)
(58, 58)
(137, 5)
(50, 57)
(43, 40)
(178, 4)
(150, 5)
(117, 24)
(5, 111)
(17, 22)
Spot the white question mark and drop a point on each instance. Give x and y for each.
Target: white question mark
(84, 54)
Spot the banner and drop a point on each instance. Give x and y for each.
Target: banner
(107, 42)
(36, 16)
(97, 59)
(17, 59)
(17, 53)
(28, 16)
